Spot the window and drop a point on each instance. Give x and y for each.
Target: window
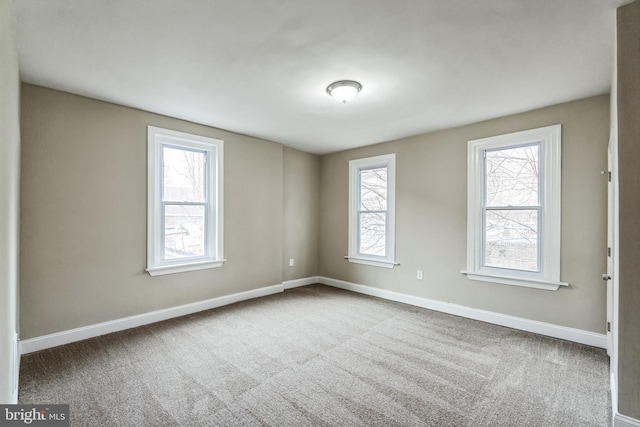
(372, 211)
(513, 209)
(184, 202)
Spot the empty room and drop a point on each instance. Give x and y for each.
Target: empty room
(339, 213)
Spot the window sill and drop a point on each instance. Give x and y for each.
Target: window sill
(513, 281)
(372, 262)
(182, 268)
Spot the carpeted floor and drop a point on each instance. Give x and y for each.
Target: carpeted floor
(315, 356)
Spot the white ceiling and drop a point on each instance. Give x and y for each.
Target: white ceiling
(261, 67)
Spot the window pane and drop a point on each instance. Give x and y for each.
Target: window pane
(184, 234)
(512, 176)
(511, 239)
(183, 175)
(373, 228)
(373, 189)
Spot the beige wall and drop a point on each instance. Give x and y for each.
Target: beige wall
(628, 97)
(301, 201)
(9, 193)
(431, 218)
(83, 230)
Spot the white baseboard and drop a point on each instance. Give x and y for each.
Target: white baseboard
(620, 420)
(65, 337)
(289, 284)
(548, 329)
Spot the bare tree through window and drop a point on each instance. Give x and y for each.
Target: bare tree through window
(373, 211)
(512, 208)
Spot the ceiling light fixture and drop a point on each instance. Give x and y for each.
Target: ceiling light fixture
(344, 90)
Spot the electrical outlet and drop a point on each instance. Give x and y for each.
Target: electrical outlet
(291, 262)
(419, 275)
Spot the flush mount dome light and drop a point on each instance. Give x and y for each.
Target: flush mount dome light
(344, 90)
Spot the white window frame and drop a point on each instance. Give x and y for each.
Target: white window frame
(355, 166)
(157, 138)
(548, 277)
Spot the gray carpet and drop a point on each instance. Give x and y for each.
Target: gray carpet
(318, 356)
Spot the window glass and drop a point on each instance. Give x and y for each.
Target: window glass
(373, 189)
(511, 239)
(510, 182)
(373, 216)
(183, 175)
(184, 231)
(373, 227)
(512, 176)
